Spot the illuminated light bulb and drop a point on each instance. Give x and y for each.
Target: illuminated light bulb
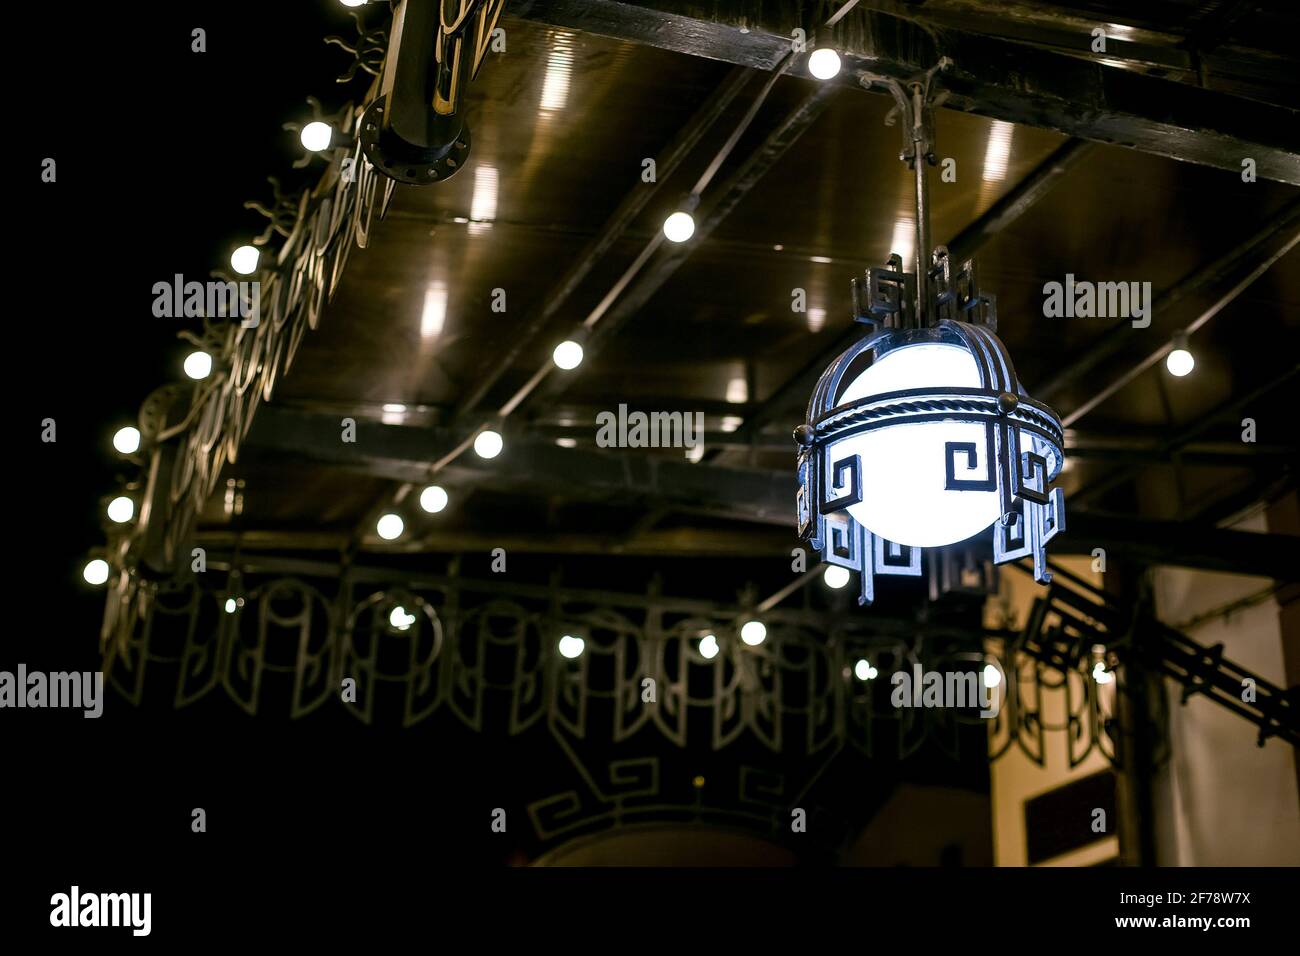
(709, 647)
(95, 572)
(909, 504)
(679, 227)
(400, 618)
(863, 670)
(571, 646)
(244, 260)
(1179, 361)
(753, 633)
(488, 444)
(567, 355)
(121, 509)
(127, 440)
(316, 136)
(1100, 674)
(231, 605)
(353, 3)
(835, 576)
(567, 442)
(824, 63)
(198, 365)
(992, 676)
(433, 499)
(390, 526)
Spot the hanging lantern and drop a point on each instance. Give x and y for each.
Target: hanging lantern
(920, 435)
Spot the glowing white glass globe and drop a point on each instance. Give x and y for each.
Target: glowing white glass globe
(95, 572)
(1180, 362)
(400, 618)
(488, 444)
(316, 136)
(835, 576)
(753, 633)
(824, 64)
(992, 676)
(127, 440)
(231, 605)
(903, 472)
(390, 526)
(353, 3)
(863, 670)
(433, 499)
(567, 355)
(244, 260)
(121, 509)
(198, 365)
(571, 647)
(709, 647)
(679, 227)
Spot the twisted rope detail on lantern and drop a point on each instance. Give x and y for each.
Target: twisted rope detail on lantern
(978, 405)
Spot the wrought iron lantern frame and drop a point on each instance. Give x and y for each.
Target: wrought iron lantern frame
(1023, 445)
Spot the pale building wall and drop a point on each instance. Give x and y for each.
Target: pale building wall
(1223, 801)
(1014, 778)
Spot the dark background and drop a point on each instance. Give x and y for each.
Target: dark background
(157, 149)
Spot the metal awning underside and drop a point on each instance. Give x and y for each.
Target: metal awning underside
(553, 207)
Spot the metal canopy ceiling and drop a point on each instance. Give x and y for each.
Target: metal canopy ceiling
(813, 194)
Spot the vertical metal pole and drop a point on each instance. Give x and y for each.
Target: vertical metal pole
(920, 148)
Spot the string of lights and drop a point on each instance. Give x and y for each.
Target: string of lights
(678, 227)
(321, 136)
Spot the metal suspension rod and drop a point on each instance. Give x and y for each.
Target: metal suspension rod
(914, 106)
(920, 152)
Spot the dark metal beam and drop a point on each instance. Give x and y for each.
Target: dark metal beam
(577, 423)
(1182, 544)
(649, 479)
(1090, 446)
(991, 77)
(677, 542)
(1179, 50)
(1186, 434)
(403, 454)
(1246, 262)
